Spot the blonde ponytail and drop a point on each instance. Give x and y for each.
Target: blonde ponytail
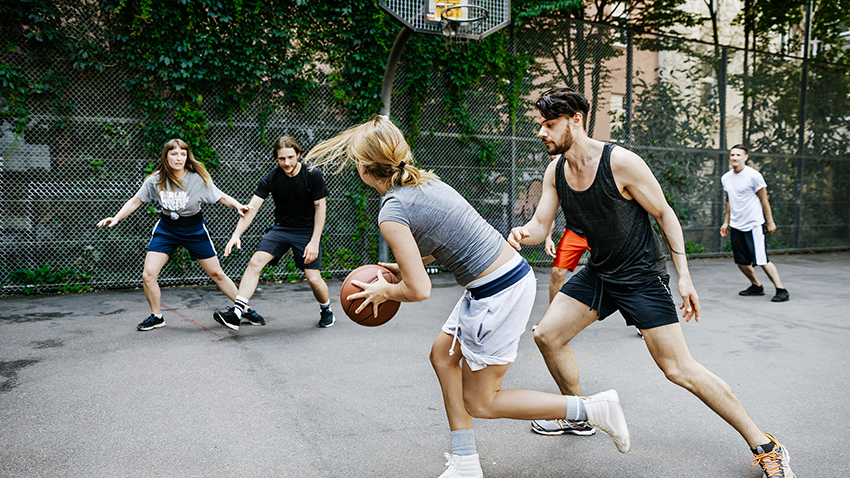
(379, 146)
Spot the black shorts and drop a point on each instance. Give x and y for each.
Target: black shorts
(644, 305)
(748, 247)
(278, 240)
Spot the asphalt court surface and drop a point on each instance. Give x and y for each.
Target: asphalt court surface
(82, 393)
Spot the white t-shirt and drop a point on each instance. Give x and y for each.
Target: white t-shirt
(745, 210)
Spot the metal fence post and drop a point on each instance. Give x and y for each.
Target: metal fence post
(512, 224)
(628, 100)
(801, 142)
(720, 207)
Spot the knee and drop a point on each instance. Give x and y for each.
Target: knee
(148, 276)
(441, 361)
(477, 408)
(548, 339)
(317, 284)
(218, 275)
(558, 275)
(255, 265)
(678, 373)
(315, 280)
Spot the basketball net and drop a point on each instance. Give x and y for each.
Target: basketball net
(453, 32)
(460, 22)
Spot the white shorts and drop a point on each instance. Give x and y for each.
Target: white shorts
(488, 329)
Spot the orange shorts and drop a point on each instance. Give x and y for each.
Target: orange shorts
(570, 249)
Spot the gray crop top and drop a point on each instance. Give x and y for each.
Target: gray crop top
(445, 226)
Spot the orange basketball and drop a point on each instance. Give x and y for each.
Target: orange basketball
(368, 274)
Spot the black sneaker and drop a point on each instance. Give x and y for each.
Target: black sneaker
(252, 317)
(151, 322)
(781, 296)
(562, 427)
(753, 290)
(327, 318)
(228, 318)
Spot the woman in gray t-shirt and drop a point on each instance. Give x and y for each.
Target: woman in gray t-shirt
(422, 220)
(179, 185)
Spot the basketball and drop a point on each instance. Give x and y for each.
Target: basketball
(367, 273)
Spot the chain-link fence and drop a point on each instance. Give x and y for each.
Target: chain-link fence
(679, 104)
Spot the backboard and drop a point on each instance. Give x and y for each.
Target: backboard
(477, 18)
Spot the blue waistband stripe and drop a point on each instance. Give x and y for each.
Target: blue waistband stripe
(508, 279)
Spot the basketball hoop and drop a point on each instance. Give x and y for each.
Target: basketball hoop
(462, 23)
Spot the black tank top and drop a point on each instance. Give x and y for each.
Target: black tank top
(623, 247)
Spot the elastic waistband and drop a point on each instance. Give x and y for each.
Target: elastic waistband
(502, 282)
(182, 221)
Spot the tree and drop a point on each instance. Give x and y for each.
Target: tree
(580, 50)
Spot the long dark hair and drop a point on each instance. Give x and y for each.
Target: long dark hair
(286, 142)
(166, 174)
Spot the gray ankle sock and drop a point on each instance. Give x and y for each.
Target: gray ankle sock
(575, 409)
(463, 442)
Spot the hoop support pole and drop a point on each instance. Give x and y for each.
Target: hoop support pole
(389, 73)
(386, 101)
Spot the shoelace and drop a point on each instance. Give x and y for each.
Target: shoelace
(770, 462)
(450, 459)
(566, 423)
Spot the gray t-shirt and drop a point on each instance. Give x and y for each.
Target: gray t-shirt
(445, 226)
(180, 202)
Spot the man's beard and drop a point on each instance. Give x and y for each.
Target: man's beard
(561, 147)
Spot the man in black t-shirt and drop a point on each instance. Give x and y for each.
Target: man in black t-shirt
(299, 193)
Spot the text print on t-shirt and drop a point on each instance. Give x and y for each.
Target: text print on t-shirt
(173, 200)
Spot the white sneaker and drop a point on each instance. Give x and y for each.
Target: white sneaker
(605, 413)
(462, 466)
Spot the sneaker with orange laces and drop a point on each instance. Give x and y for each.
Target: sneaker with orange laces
(774, 463)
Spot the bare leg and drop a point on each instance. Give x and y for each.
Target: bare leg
(451, 381)
(483, 397)
(773, 274)
(565, 318)
(251, 276)
(556, 281)
(668, 348)
(213, 269)
(750, 272)
(150, 273)
(468, 394)
(320, 288)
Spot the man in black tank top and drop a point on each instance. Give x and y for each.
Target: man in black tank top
(610, 192)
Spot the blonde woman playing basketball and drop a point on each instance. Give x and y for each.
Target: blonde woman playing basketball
(423, 219)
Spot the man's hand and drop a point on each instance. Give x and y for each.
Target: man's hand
(516, 236)
(690, 300)
(770, 226)
(234, 241)
(724, 229)
(311, 252)
(551, 248)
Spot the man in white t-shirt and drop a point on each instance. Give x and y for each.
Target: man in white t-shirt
(747, 210)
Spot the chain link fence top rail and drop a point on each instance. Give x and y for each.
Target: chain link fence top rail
(668, 100)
